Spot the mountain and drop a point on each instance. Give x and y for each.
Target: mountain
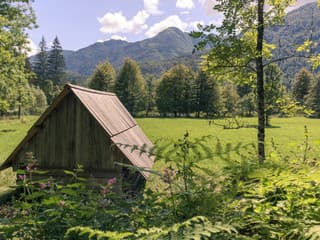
(156, 55)
(300, 25)
(168, 45)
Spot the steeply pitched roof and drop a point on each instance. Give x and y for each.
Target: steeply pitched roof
(113, 117)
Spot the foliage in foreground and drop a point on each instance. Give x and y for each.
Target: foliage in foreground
(15, 18)
(277, 200)
(194, 228)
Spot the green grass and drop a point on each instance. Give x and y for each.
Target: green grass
(11, 133)
(287, 133)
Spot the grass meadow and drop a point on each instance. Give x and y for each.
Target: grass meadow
(287, 135)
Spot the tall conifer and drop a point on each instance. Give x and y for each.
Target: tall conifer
(40, 66)
(56, 63)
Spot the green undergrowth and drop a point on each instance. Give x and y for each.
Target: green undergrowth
(240, 200)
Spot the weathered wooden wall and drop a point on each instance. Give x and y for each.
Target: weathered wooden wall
(70, 136)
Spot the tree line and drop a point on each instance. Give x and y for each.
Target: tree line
(49, 68)
(182, 92)
(37, 83)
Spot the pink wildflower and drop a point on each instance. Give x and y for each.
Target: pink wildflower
(22, 177)
(112, 181)
(62, 203)
(43, 185)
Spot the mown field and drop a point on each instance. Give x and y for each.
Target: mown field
(286, 134)
(278, 200)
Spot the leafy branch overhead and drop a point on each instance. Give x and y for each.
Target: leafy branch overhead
(238, 48)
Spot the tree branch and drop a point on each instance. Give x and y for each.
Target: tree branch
(286, 58)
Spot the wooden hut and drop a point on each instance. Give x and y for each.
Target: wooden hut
(87, 127)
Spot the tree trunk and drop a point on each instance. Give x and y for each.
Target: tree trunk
(268, 119)
(260, 83)
(19, 111)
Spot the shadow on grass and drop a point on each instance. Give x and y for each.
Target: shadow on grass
(256, 126)
(272, 126)
(7, 130)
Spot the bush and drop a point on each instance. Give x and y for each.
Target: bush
(245, 200)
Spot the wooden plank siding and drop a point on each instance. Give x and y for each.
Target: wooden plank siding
(83, 126)
(69, 136)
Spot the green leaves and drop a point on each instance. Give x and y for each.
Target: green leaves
(176, 91)
(130, 86)
(103, 78)
(15, 17)
(87, 233)
(196, 228)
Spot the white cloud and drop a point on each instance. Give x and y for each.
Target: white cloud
(217, 20)
(113, 37)
(185, 4)
(117, 23)
(118, 37)
(184, 12)
(171, 21)
(33, 49)
(152, 7)
(208, 6)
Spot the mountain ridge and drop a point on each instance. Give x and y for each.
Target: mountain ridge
(155, 55)
(168, 44)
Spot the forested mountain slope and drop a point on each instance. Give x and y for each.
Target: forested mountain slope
(300, 25)
(167, 45)
(156, 55)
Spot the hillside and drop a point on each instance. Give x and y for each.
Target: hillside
(167, 45)
(300, 25)
(155, 55)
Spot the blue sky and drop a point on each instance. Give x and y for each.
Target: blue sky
(79, 23)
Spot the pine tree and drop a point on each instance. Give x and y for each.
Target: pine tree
(130, 86)
(301, 85)
(40, 66)
(56, 63)
(103, 77)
